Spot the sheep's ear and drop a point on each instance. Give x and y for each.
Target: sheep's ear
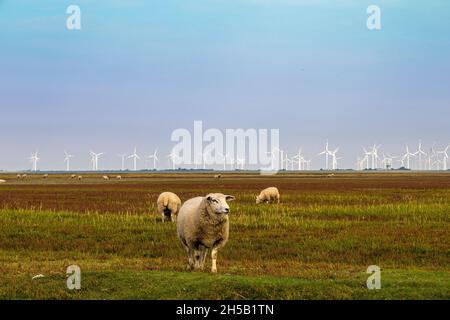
(209, 198)
(230, 198)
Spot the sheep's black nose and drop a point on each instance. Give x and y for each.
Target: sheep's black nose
(227, 210)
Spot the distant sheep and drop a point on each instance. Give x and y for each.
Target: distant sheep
(2, 181)
(19, 176)
(45, 176)
(218, 176)
(168, 204)
(80, 178)
(119, 177)
(331, 175)
(24, 176)
(105, 178)
(73, 176)
(203, 225)
(268, 195)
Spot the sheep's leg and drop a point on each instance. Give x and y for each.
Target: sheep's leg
(167, 214)
(161, 212)
(190, 257)
(203, 258)
(214, 259)
(197, 258)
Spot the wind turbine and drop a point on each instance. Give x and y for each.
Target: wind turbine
(431, 155)
(326, 152)
(276, 158)
(334, 163)
(280, 154)
(367, 154)
(135, 158)
(300, 159)
(359, 164)
(288, 161)
(34, 160)
(402, 160)
(407, 156)
(272, 159)
(155, 159)
(292, 160)
(67, 160)
(275, 155)
(444, 157)
(94, 160)
(122, 156)
(420, 152)
(308, 164)
(172, 157)
(387, 161)
(374, 154)
(392, 158)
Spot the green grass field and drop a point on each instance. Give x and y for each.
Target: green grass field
(317, 244)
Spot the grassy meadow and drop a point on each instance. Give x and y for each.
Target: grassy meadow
(316, 244)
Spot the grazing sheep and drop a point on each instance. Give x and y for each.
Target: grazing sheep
(74, 176)
(331, 175)
(168, 204)
(19, 176)
(105, 178)
(218, 176)
(80, 178)
(24, 176)
(203, 225)
(45, 176)
(268, 195)
(119, 177)
(2, 181)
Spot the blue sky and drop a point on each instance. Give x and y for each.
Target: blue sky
(140, 69)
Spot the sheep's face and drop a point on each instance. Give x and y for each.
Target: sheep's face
(217, 203)
(258, 200)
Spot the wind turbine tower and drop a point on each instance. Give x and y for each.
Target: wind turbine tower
(408, 156)
(172, 158)
(420, 152)
(375, 157)
(326, 152)
(94, 160)
(67, 160)
(122, 157)
(135, 158)
(300, 160)
(34, 160)
(155, 158)
(334, 159)
(444, 157)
